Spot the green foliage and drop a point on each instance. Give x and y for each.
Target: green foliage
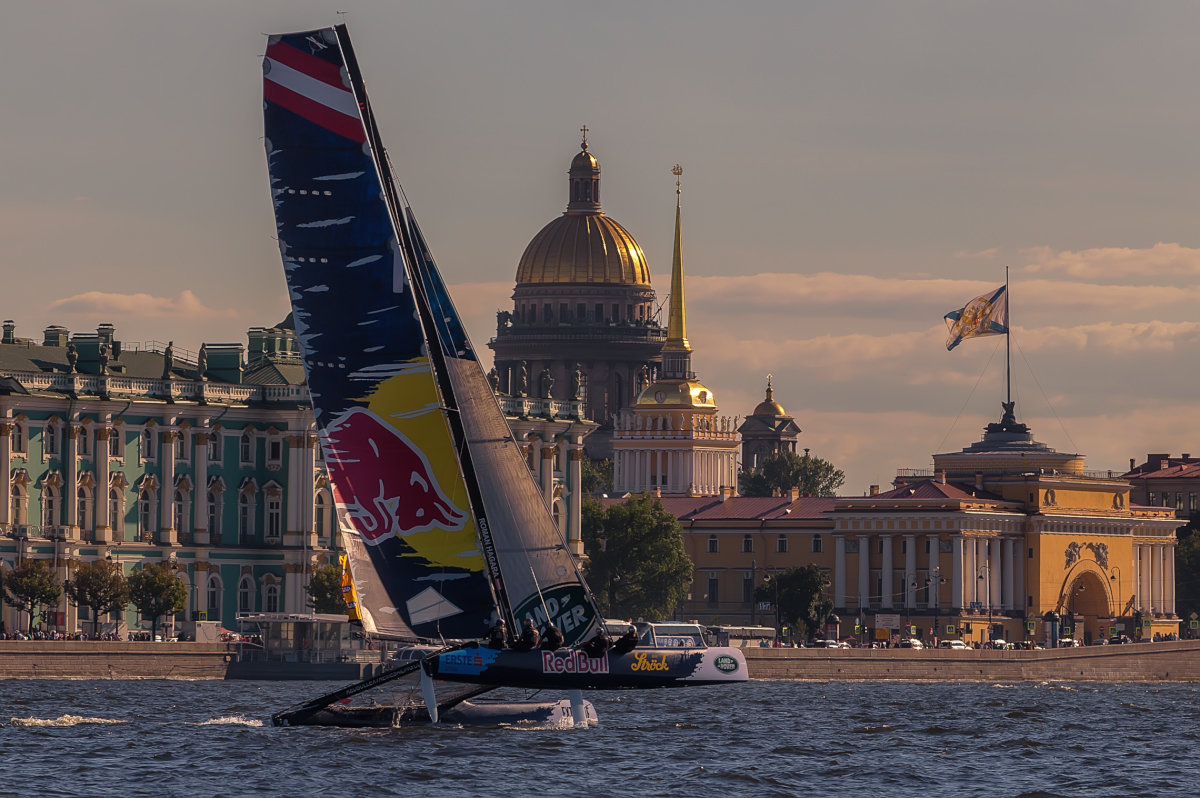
(156, 591)
(1187, 571)
(786, 470)
(31, 586)
(100, 586)
(596, 477)
(799, 597)
(637, 563)
(325, 590)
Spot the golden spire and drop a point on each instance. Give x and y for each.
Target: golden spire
(676, 321)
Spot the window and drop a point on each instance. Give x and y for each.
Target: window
(599, 312)
(748, 587)
(214, 447)
(146, 442)
(145, 515)
(84, 439)
(214, 514)
(114, 443)
(781, 544)
(713, 589)
(713, 546)
(245, 517)
(19, 506)
(818, 545)
(1179, 500)
(246, 595)
(214, 597)
(114, 509)
(18, 438)
(320, 519)
(246, 449)
(271, 598)
(50, 439)
(51, 504)
(747, 544)
(182, 450)
(274, 517)
(274, 451)
(83, 502)
(177, 515)
(1192, 501)
(1153, 496)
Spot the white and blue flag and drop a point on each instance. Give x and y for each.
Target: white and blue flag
(983, 315)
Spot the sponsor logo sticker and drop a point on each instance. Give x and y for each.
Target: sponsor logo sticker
(726, 663)
(573, 662)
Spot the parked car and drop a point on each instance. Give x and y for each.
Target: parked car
(955, 644)
(910, 642)
(1068, 642)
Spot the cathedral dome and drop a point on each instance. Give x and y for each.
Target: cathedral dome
(769, 407)
(677, 393)
(583, 245)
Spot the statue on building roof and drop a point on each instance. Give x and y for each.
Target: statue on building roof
(1008, 422)
(577, 383)
(547, 383)
(522, 379)
(168, 360)
(493, 379)
(102, 356)
(72, 357)
(202, 362)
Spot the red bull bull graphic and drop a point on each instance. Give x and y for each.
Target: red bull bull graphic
(385, 483)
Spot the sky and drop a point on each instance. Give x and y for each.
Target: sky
(852, 172)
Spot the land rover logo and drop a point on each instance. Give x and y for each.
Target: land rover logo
(726, 663)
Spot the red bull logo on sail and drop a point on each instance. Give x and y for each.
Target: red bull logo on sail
(383, 481)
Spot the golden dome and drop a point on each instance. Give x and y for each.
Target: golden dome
(583, 245)
(584, 248)
(769, 407)
(677, 393)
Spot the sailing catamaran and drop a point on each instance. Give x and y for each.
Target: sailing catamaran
(445, 530)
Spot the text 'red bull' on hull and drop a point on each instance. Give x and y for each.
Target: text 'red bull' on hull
(444, 529)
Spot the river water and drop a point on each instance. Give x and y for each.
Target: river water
(143, 738)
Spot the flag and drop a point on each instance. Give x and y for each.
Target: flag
(983, 315)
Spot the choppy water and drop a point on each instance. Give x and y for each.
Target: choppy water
(205, 738)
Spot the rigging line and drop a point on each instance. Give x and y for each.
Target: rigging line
(1053, 412)
(991, 357)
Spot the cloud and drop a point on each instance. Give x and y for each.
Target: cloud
(123, 306)
(1160, 260)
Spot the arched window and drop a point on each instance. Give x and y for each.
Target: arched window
(246, 448)
(181, 447)
(246, 517)
(18, 437)
(51, 505)
(274, 517)
(178, 516)
(320, 517)
(83, 440)
(214, 447)
(147, 443)
(83, 502)
(50, 439)
(145, 515)
(246, 594)
(20, 508)
(116, 443)
(214, 597)
(114, 509)
(214, 513)
(271, 598)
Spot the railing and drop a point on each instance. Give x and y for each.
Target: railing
(521, 406)
(114, 385)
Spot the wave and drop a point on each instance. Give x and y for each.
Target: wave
(62, 720)
(231, 720)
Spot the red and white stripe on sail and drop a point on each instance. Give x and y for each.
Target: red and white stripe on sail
(312, 88)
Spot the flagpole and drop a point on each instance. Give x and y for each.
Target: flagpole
(1007, 341)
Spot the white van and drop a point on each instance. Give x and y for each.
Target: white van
(954, 644)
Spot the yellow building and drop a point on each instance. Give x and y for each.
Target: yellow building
(1008, 534)
(671, 441)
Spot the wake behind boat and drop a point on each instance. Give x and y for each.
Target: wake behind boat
(445, 530)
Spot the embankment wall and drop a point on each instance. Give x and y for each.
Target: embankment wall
(1176, 661)
(73, 659)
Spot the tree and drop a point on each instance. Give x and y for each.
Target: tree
(100, 586)
(325, 590)
(596, 477)
(30, 587)
(156, 592)
(783, 471)
(1187, 570)
(798, 594)
(636, 558)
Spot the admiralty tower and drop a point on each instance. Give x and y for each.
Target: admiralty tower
(584, 321)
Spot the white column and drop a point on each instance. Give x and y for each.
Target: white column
(70, 486)
(971, 572)
(886, 568)
(1156, 576)
(864, 570)
(839, 572)
(995, 574)
(6, 428)
(547, 471)
(956, 577)
(1145, 594)
(1170, 586)
(200, 489)
(910, 571)
(1018, 566)
(166, 493)
(933, 594)
(104, 533)
(1006, 569)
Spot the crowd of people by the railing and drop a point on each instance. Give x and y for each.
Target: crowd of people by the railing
(54, 634)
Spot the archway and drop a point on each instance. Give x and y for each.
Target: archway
(1086, 602)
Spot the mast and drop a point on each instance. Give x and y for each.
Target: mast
(1007, 342)
(434, 349)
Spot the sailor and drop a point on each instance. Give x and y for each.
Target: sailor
(598, 646)
(497, 636)
(626, 642)
(552, 640)
(529, 637)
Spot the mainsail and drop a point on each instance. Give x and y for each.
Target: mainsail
(443, 524)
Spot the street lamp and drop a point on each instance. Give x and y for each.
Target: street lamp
(935, 580)
(1116, 576)
(778, 623)
(985, 576)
